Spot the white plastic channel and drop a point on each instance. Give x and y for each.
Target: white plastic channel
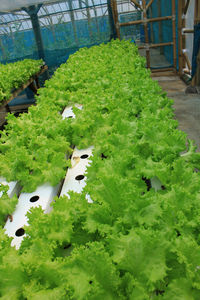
(156, 184)
(14, 187)
(75, 179)
(68, 111)
(42, 196)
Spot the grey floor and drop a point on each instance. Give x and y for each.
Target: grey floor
(187, 106)
(157, 60)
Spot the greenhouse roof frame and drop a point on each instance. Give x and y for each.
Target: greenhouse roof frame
(12, 5)
(7, 18)
(16, 5)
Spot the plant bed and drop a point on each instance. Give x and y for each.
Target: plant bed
(134, 241)
(15, 77)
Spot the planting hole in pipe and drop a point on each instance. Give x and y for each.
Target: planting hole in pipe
(103, 156)
(79, 177)
(20, 232)
(70, 117)
(148, 183)
(34, 198)
(67, 246)
(84, 156)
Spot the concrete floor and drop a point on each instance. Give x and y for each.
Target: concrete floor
(187, 106)
(157, 60)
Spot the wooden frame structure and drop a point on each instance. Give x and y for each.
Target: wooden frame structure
(144, 6)
(182, 55)
(32, 83)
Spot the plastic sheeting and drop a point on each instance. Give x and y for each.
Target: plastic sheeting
(162, 31)
(189, 24)
(10, 5)
(196, 48)
(65, 27)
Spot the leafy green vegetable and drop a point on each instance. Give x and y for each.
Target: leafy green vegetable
(7, 204)
(133, 241)
(13, 75)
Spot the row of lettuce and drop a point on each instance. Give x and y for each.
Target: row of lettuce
(133, 241)
(14, 75)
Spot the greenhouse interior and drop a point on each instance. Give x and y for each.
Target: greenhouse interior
(100, 149)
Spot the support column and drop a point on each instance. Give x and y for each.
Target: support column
(115, 17)
(111, 21)
(32, 11)
(174, 33)
(146, 33)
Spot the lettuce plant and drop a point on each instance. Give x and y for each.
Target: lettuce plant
(14, 75)
(134, 241)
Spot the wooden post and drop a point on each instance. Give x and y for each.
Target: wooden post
(115, 16)
(152, 31)
(146, 33)
(198, 70)
(136, 4)
(174, 32)
(187, 60)
(149, 4)
(160, 27)
(197, 12)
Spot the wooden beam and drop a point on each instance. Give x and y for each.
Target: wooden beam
(162, 70)
(149, 4)
(146, 21)
(185, 56)
(146, 36)
(136, 4)
(186, 30)
(174, 32)
(186, 7)
(157, 45)
(131, 23)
